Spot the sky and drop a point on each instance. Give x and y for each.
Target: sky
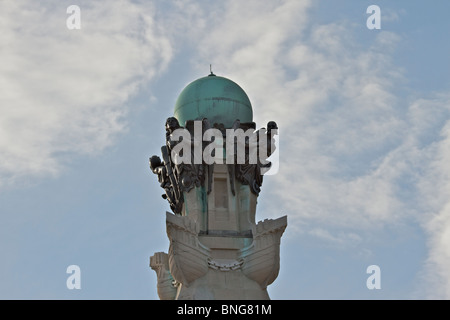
(363, 117)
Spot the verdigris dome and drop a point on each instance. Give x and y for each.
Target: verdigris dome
(216, 98)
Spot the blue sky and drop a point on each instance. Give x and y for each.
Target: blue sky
(364, 118)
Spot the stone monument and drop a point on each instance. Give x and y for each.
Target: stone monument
(212, 182)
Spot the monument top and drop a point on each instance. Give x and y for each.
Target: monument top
(217, 249)
(216, 98)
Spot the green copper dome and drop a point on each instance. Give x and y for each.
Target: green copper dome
(216, 98)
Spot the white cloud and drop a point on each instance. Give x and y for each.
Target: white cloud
(65, 91)
(355, 154)
(334, 104)
(390, 15)
(333, 100)
(341, 239)
(434, 187)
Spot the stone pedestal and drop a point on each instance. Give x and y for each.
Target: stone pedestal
(217, 251)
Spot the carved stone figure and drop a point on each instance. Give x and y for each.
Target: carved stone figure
(159, 168)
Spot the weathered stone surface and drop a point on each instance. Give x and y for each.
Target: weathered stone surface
(216, 254)
(167, 290)
(216, 248)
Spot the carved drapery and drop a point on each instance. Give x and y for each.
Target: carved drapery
(177, 178)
